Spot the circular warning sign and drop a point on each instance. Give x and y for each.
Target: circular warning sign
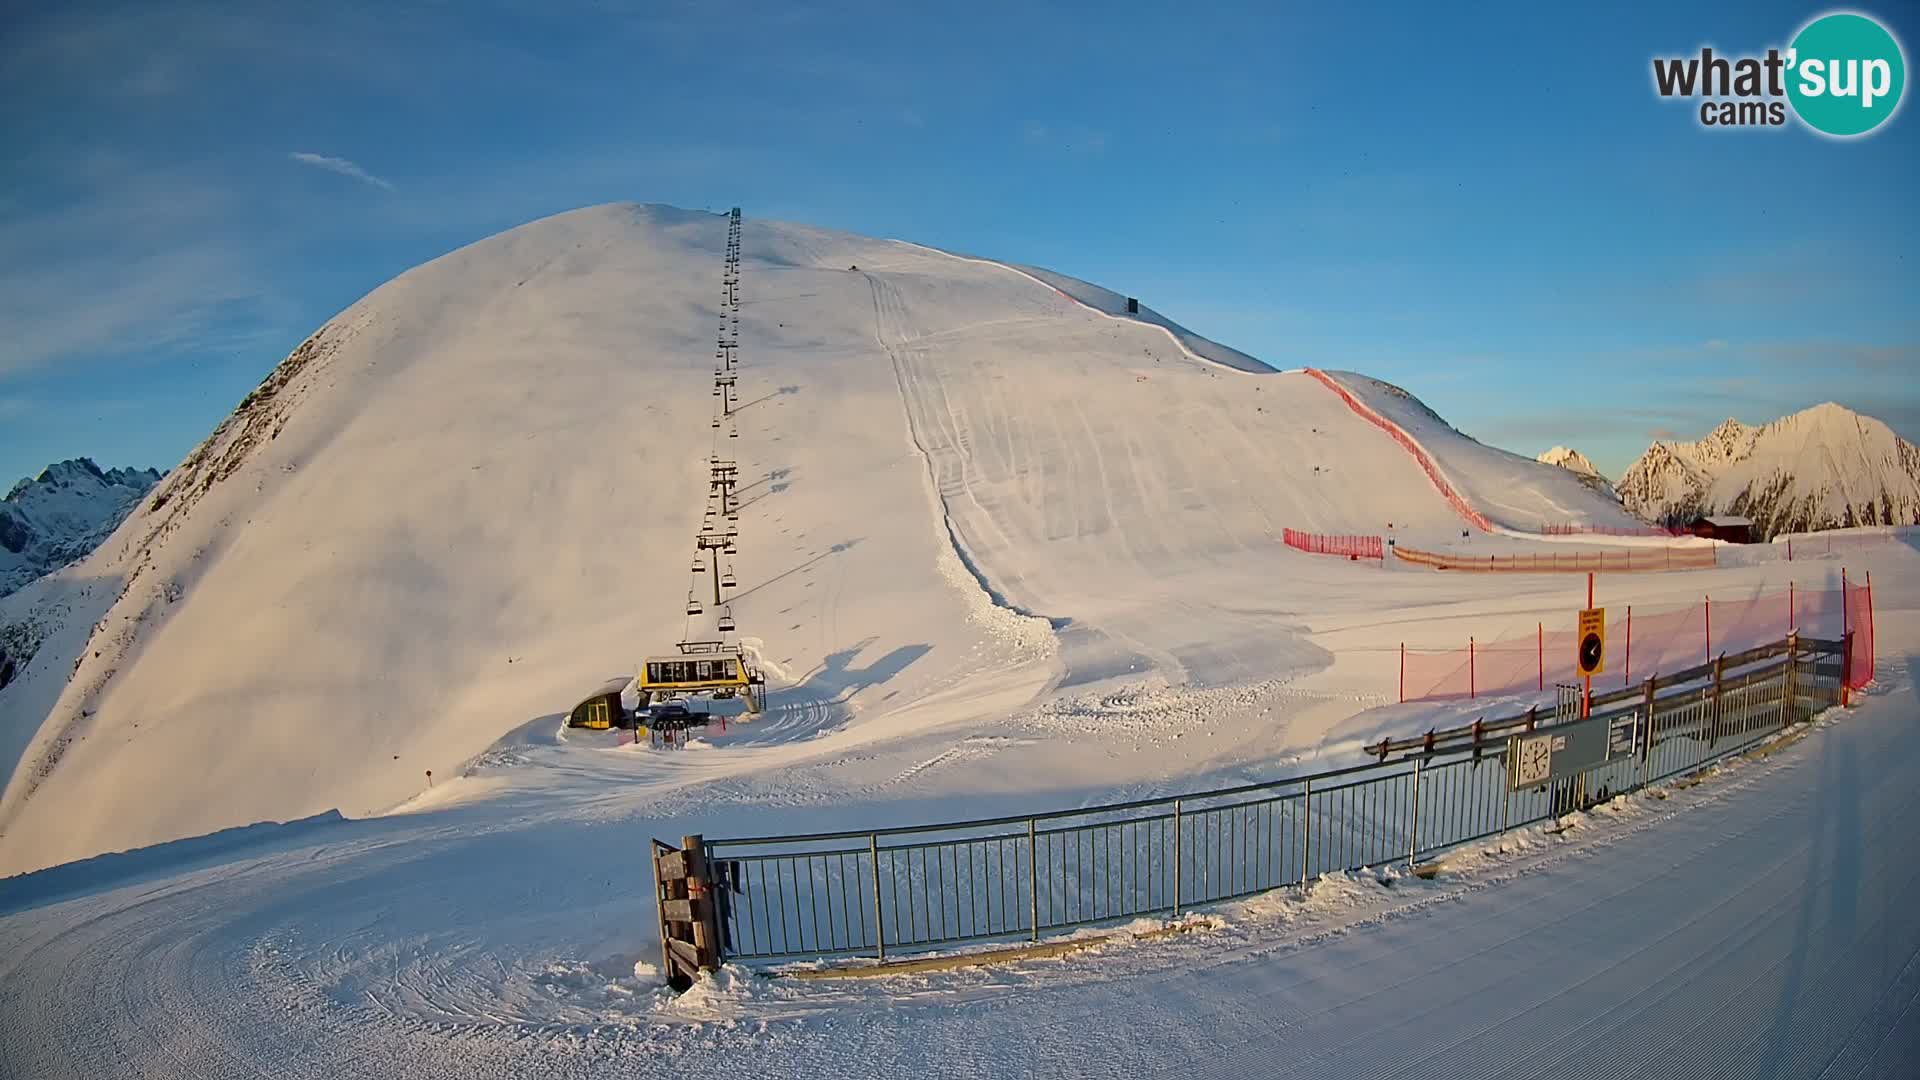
(1593, 641)
(1592, 650)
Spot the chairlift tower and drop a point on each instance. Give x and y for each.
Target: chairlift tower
(721, 482)
(714, 544)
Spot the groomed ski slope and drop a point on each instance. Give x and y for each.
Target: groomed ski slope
(471, 498)
(1757, 924)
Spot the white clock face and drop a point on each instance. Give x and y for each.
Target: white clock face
(1534, 762)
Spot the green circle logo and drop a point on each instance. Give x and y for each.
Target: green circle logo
(1845, 74)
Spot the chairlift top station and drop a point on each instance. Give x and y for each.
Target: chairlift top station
(717, 667)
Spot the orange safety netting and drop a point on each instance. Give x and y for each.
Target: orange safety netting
(1644, 643)
(1860, 619)
(1810, 547)
(1413, 448)
(1629, 560)
(1609, 530)
(1361, 547)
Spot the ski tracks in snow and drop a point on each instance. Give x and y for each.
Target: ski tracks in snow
(1537, 954)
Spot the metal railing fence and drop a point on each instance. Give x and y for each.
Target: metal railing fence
(887, 891)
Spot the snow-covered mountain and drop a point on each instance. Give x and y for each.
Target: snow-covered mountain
(52, 519)
(472, 497)
(1822, 468)
(1578, 464)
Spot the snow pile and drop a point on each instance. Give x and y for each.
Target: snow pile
(1152, 708)
(1027, 635)
(62, 514)
(1821, 468)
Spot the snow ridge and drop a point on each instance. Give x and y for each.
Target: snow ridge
(1112, 305)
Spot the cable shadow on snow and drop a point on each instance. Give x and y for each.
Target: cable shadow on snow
(837, 549)
(774, 490)
(822, 700)
(773, 476)
(782, 392)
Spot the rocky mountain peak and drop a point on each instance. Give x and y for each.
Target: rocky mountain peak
(1823, 467)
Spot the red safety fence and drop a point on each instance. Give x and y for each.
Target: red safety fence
(1860, 621)
(1644, 643)
(1353, 547)
(1609, 530)
(1622, 560)
(1813, 547)
(1406, 441)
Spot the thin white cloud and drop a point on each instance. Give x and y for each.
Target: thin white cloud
(340, 165)
(147, 263)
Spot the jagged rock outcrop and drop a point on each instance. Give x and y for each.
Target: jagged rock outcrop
(1822, 468)
(52, 519)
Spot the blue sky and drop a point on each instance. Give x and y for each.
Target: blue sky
(1496, 213)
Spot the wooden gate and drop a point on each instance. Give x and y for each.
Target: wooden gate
(689, 914)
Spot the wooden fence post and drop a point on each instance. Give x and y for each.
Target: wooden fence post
(659, 909)
(706, 915)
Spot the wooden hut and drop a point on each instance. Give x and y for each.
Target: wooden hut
(1734, 530)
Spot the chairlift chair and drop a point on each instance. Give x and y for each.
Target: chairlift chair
(726, 623)
(693, 605)
(728, 581)
(698, 566)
